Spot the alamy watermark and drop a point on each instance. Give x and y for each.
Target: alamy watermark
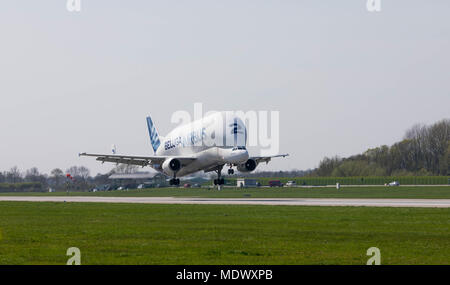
(375, 254)
(229, 128)
(75, 254)
(373, 5)
(73, 5)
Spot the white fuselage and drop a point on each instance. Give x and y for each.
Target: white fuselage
(214, 140)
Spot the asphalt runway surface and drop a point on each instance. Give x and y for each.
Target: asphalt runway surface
(423, 203)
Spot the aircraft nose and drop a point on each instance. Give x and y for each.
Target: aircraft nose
(241, 156)
(245, 155)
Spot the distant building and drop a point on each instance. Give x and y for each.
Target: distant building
(245, 182)
(132, 180)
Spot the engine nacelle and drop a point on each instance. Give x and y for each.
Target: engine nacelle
(171, 166)
(248, 166)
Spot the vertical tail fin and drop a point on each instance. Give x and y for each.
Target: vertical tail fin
(154, 138)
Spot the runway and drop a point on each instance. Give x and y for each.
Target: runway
(424, 203)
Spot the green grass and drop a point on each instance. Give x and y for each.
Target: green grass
(422, 192)
(40, 233)
(358, 180)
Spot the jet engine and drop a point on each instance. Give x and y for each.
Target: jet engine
(171, 166)
(248, 166)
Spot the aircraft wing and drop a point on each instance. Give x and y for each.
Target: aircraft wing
(266, 159)
(138, 160)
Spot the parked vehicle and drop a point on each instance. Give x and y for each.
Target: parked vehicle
(187, 185)
(275, 183)
(291, 183)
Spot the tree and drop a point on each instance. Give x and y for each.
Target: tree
(14, 175)
(84, 172)
(32, 175)
(125, 169)
(417, 134)
(80, 179)
(439, 135)
(424, 150)
(79, 172)
(57, 176)
(327, 165)
(101, 179)
(444, 163)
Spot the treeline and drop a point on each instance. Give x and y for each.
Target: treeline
(367, 180)
(75, 178)
(424, 151)
(287, 174)
(21, 187)
(14, 180)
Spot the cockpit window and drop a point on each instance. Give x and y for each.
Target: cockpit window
(239, 148)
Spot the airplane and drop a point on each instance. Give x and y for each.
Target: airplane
(206, 144)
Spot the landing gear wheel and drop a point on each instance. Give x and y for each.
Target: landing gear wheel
(174, 181)
(230, 171)
(219, 181)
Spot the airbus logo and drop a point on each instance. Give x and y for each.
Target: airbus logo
(236, 128)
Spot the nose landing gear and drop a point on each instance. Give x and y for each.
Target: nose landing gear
(219, 181)
(230, 171)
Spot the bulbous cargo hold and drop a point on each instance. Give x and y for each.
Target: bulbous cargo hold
(219, 129)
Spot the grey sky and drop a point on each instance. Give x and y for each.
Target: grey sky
(342, 78)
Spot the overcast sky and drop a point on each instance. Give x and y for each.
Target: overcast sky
(342, 78)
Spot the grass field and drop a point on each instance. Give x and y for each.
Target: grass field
(422, 192)
(40, 233)
(358, 180)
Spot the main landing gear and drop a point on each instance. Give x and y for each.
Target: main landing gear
(219, 181)
(174, 181)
